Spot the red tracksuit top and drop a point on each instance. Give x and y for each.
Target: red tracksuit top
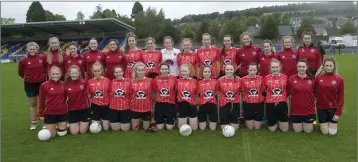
(91, 57)
(141, 95)
(131, 58)
(113, 59)
(312, 56)
(302, 95)
(252, 88)
(207, 90)
(209, 56)
(55, 61)
(165, 88)
(276, 88)
(99, 89)
(75, 91)
(229, 58)
(120, 94)
(78, 61)
(32, 68)
(288, 58)
(229, 90)
(329, 91)
(188, 57)
(187, 90)
(265, 61)
(52, 98)
(151, 60)
(245, 56)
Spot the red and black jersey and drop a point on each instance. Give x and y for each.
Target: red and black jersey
(329, 91)
(165, 88)
(312, 56)
(113, 59)
(288, 58)
(187, 90)
(141, 95)
(209, 56)
(75, 91)
(151, 60)
(131, 58)
(229, 90)
(91, 57)
(265, 61)
(55, 61)
(276, 88)
(99, 89)
(188, 57)
(120, 94)
(78, 61)
(207, 90)
(32, 68)
(52, 98)
(229, 57)
(252, 88)
(245, 56)
(302, 95)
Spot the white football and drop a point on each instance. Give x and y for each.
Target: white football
(44, 135)
(228, 131)
(95, 127)
(185, 130)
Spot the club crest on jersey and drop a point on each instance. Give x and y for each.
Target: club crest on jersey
(119, 93)
(283, 57)
(253, 92)
(254, 53)
(120, 57)
(108, 57)
(276, 92)
(88, 57)
(309, 82)
(207, 62)
(131, 64)
(186, 94)
(208, 94)
(29, 63)
(170, 62)
(175, 54)
(40, 61)
(51, 89)
(69, 89)
(98, 94)
(295, 81)
(334, 82)
(227, 61)
(293, 56)
(99, 57)
(243, 54)
(150, 64)
(69, 61)
(312, 50)
(230, 95)
(81, 87)
(80, 61)
(164, 92)
(321, 80)
(303, 50)
(141, 95)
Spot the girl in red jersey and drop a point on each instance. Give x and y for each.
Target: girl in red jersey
(187, 93)
(207, 91)
(54, 55)
(53, 103)
(165, 88)
(119, 104)
(288, 57)
(276, 97)
(32, 70)
(301, 88)
(251, 87)
(75, 59)
(247, 54)
(330, 97)
(98, 90)
(170, 55)
(228, 54)
(92, 56)
(208, 55)
(132, 54)
(151, 58)
(187, 55)
(77, 101)
(113, 58)
(311, 53)
(266, 57)
(229, 100)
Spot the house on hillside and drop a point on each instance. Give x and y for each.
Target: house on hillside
(341, 21)
(283, 30)
(320, 31)
(254, 30)
(355, 21)
(295, 21)
(333, 31)
(322, 25)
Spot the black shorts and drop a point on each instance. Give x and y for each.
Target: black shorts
(119, 116)
(32, 89)
(54, 119)
(208, 109)
(253, 111)
(229, 113)
(145, 116)
(100, 112)
(187, 110)
(326, 115)
(82, 115)
(276, 112)
(303, 118)
(164, 113)
(152, 75)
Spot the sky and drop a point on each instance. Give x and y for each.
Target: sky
(172, 10)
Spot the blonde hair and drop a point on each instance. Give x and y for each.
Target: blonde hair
(190, 68)
(286, 37)
(54, 68)
(32, 44)
(126, 45)
(100, 65)
(148, 39)
(134, 74)
(275, 61)
(49, 52)
(247, 34)
(331, 59)
(68, 75)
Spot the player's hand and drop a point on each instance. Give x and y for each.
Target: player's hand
(335, 118)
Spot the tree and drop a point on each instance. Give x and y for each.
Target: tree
(214, 29)
(269, 29)
(347, 28)
(188, 32)
(167, 29)
(80, 15)
(97, 14)
(109, 14)
(148, 23)
(7, 20)
(53, 17)
(203, 28)
(306, 25)
(35, 13)
(252, 21)
(233, 27)
(137, 7)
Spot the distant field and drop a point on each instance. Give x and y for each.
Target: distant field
(301, 11)
(21, 145)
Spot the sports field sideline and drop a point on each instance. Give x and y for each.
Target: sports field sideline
(19, 144)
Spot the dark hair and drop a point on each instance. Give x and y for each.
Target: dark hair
(115, 41)
(270, 43)
(307, 32)
(207, 66)
(233, 68)
(223, 50)
(307, 72)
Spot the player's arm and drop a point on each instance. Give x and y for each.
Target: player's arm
(42, 100)
(340, 98)
(21, 68)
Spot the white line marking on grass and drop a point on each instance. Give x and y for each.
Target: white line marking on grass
(247, 151)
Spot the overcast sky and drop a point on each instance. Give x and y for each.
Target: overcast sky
(172, 10)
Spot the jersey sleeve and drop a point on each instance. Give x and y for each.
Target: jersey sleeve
(318, 59)
(340, 98)
(42, 99)
(21, 68)
(237, 57)
(289, 86)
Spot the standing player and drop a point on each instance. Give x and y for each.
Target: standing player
(77, 101)
(32, 70)
(288, 57)
(207, 91)
(75, 59)
(132, 54)
(170, 55)
(187, 93)
(276, 98)
(119, 104)
(247, 54)
(53, 103)
(266, 57)
(228, 54)
(187, 55)
(330, 97)
(165, 88)
(54, 55)
(92, 56)
(302, 105)
(141, 98)
(113, 58)
(151, 58)
(98, 89)
(311, 53)
(229, 100)
(251, 87)
(208, 55)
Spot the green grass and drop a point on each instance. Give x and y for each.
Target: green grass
(19, 144)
